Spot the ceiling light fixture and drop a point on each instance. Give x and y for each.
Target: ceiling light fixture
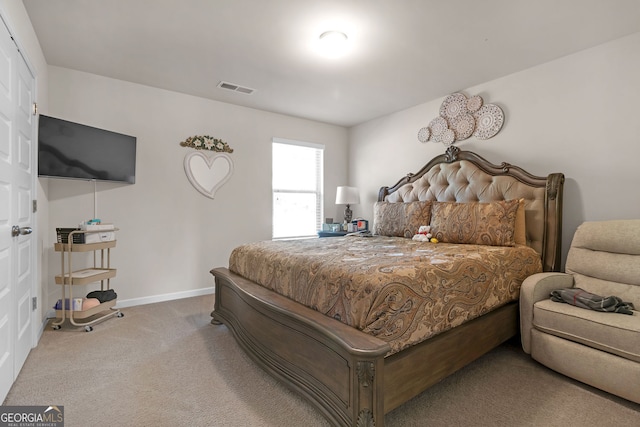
(333, 43)
(333, 37)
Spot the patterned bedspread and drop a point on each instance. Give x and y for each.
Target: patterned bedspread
(397, 289)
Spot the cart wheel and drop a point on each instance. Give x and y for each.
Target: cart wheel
(88, 328)
(120, 314)
(56, 327)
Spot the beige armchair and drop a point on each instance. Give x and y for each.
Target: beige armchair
(601, 349)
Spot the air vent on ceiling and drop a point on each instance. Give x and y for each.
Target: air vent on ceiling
(235, 88)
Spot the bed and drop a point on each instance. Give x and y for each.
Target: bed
(298, 318)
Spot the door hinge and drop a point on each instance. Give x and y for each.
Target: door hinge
(35, 108)
(35, 206)
(34, 303)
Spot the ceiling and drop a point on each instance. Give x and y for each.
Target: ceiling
(401, 53)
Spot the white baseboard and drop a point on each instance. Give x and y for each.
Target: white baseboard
(149, 300)
(164, 297)
(43, 326)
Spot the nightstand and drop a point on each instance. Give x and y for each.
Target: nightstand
(331, 233)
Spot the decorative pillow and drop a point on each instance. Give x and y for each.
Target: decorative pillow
(490, 223)
(520, 236)
(400, 219)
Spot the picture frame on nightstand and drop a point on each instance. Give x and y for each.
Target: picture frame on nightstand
(361, 225)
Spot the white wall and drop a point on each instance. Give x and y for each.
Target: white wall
(578, 115)
(170, 235)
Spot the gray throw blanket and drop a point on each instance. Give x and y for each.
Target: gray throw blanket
(581, 298)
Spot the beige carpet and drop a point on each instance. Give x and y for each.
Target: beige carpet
(165, 365)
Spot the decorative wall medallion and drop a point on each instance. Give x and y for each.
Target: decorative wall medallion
(461, 118)
(474, 103)
(448, 137)
(453, 105)
(463, 126)
(207, 173)
(438, 126)
(424, 134)
(489, 121)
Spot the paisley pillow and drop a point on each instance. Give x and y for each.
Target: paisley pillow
(400, 219)
(475, 223)
(520, 236)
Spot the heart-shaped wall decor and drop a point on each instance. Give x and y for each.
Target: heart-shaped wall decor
(207, 174)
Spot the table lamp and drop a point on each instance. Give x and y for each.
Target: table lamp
(347, 196)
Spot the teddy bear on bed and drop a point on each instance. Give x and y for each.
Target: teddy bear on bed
(424, 235)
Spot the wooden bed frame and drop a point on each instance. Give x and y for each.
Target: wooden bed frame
(342, 371)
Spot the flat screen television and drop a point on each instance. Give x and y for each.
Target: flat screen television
(76, 151)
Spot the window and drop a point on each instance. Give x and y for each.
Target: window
(297, 188)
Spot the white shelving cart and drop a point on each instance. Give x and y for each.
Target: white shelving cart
(68, 278)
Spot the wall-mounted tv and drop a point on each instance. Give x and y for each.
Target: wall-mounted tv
(72, 150)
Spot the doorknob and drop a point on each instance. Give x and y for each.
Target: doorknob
(20, 231)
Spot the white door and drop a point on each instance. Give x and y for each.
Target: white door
(17, 245)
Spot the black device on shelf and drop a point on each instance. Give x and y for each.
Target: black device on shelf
(63, 235)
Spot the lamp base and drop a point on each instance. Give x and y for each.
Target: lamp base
(348, 214)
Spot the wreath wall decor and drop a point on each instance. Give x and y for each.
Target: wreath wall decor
(460, 118)
(207, 172)
(206, 142)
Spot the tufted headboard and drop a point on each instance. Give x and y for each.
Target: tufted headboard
(463, 176)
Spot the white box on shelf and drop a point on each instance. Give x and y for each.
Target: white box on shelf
(103, 236)
(102, 233)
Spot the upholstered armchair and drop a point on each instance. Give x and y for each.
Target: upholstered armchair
(598, 348)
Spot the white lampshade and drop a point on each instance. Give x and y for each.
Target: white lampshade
(347, 196)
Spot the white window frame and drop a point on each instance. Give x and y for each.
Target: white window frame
(318, 191)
